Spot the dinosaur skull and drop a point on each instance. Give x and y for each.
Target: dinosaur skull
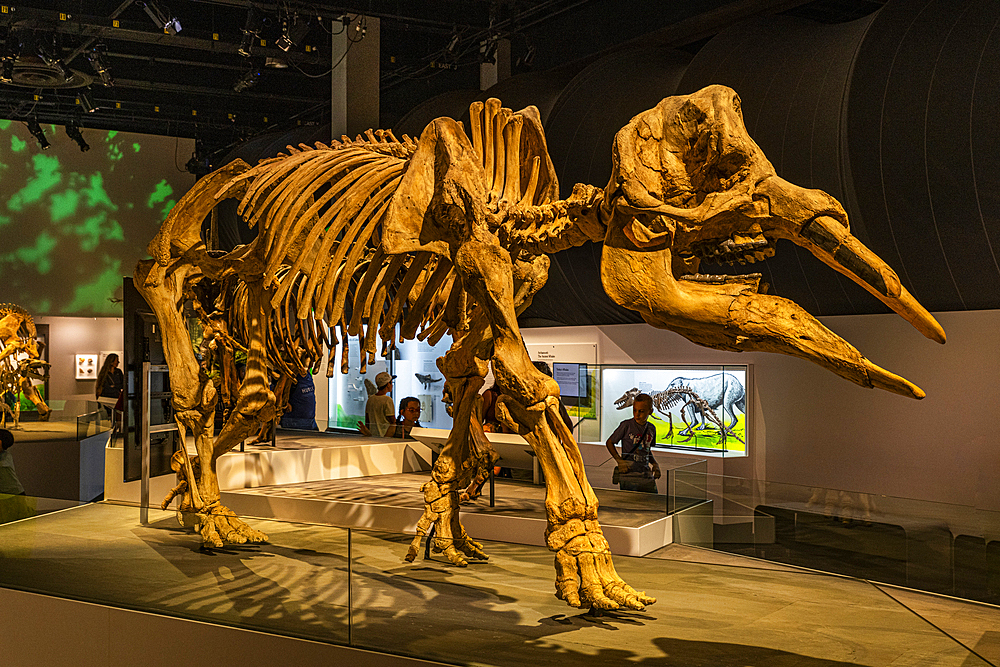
(689, 184)
(627, 399)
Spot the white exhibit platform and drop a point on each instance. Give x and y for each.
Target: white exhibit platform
(374, 483)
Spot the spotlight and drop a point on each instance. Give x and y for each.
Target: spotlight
(96, 59)
(47, 53)
(523, 63)
(251, 28)
(85, 103)
(161, 17)
(199, 164)
(7, 70)
(36, 132)
(73, 132)
(249, 80)
(293, 30)
(452, 45)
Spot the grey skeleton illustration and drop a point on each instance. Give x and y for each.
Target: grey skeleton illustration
(699, 409)
(720, 390)
(427, 380)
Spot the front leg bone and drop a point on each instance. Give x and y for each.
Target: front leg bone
(585, 574)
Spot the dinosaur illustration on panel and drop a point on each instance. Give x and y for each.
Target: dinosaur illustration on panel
(695, 410)
(721, 390)
(20, 363)
(384, 240)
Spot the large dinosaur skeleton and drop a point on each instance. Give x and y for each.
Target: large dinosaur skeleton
(379, 238)
(20, 363)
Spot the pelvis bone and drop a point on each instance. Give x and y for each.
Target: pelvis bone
(689, 184)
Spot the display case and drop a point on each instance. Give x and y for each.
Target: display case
(414, 363)
(697, 408)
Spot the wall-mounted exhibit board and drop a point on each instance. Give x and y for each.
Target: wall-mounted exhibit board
(573, 366)
(72, 223)
(414, 363)
(701, 408)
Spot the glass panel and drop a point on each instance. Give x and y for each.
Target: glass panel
(351, 587)
(695, 408)
(936, 547)
(347, 393)
(295, 584)
(417, 375)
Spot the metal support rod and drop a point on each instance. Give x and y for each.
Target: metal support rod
(492, 499)
(144, 424)
(350, 590)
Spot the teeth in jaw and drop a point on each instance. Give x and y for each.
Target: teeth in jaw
(719, 278)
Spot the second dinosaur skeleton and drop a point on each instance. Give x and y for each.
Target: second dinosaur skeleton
(20, 363)
(385, 240)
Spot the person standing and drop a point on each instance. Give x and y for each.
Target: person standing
(379, 411)
(9, 483)
(302, 406)
(110, 381)
(637, 470)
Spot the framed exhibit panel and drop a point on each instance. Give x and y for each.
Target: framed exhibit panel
(417, 374)
(413, 362)
(347, 394)
(695, 408)
(574, 367)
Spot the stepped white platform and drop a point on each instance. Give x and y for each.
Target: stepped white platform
(374, 483)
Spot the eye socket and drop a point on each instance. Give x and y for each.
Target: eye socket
(737, 105)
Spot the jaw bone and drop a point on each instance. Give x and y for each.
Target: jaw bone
(689, 183)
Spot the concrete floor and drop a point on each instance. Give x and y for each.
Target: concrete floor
(321, 583)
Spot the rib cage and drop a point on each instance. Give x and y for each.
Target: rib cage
(319, 212)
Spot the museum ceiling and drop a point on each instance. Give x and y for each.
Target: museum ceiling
(227, 70)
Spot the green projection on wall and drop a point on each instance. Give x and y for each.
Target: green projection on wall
(73, 223)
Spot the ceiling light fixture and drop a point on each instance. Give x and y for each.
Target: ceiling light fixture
(74, 133)
(490, 52)
(294, 28)
(161, 17)
(47, 53)
(36, 132)
(84, 101)
(251, 28)
(248, 81)
(96, 58)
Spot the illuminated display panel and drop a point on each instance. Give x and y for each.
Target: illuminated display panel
(680, 418)
(73, 223)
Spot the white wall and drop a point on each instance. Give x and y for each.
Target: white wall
(70, 336)
(816, 429)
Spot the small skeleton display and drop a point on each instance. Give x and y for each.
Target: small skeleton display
(20, 363)
(427, 380)
(383, 240)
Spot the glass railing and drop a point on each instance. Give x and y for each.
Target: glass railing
(96, 418)
(351, 587)
(936, 547)
(69, 419)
